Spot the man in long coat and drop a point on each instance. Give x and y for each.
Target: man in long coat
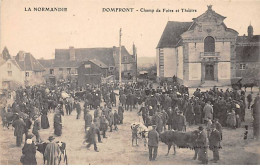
(19, 130)
(121, 114)
(208, 111)
(181, 121)
(91, 137)
(202, 145)
(153, 141)
(87, 118)
(214, 142)
(52, 152)
(36, 128)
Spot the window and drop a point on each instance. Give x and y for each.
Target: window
(111, 68)
(61, 70)
(27, 74)
(242, 66)
(52, 71)
(209, 44)
(9, 65)
(9, 73)
(76, 71)
(69, 70)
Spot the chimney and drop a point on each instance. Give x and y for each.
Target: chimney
(72, 53)
(114, 52)
(250, 31)
(134, 52)
(21, 56)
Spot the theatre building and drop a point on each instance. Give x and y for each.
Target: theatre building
(198, 53)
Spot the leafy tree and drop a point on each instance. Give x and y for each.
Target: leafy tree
(5, 54)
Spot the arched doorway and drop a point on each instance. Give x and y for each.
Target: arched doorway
(209, 44)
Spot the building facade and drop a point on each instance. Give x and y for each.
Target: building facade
(198, 53)
(67, 61)
(91, 72)
(248, 56)
(11, 75)
(31, 68)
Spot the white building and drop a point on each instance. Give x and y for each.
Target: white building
(198, 53)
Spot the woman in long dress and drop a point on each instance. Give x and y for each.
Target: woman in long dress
(29, 152)
(57, 122)
(44, 119)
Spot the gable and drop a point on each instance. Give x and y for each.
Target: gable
(172, 34)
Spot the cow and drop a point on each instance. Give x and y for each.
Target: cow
(142, 131)
(42, 146)
(180, 139)
(250, 85)
(9, 117)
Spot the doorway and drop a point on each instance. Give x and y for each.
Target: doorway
(209, 72)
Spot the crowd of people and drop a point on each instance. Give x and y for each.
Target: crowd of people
(166, 106)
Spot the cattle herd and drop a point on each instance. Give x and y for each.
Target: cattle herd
(169, 107)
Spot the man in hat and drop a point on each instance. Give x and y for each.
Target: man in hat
(181, 121)
(214, 142)
(208, 111)
(144, 112)
(19, 130)
(87, 118)
(202, 145)
(103, 125)
(78, 108)
(52, 152)
(91, 137)
(36, 128)
(153, 141)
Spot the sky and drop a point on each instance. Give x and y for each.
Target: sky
(84, 25)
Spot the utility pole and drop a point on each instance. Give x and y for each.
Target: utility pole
(135, 58)
(120, 59)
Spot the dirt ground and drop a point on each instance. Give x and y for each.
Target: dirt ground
(117, 148)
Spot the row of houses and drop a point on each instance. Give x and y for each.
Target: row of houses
(205, 52)
(75, 65)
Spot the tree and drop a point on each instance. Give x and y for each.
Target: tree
(5, 54)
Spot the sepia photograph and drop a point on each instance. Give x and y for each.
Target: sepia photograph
(130, 82)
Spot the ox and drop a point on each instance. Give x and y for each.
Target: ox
(180, 139)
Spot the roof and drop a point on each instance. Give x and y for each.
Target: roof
(29, 63)
(246, 39)
(99, 63)
(51, 63)
(172, 33)
(2, 61)
(247, 53)
(106, 55)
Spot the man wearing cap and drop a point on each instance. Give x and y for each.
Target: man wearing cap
(52, 152)
(19, 130)
(153, 141)
(202, 145)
